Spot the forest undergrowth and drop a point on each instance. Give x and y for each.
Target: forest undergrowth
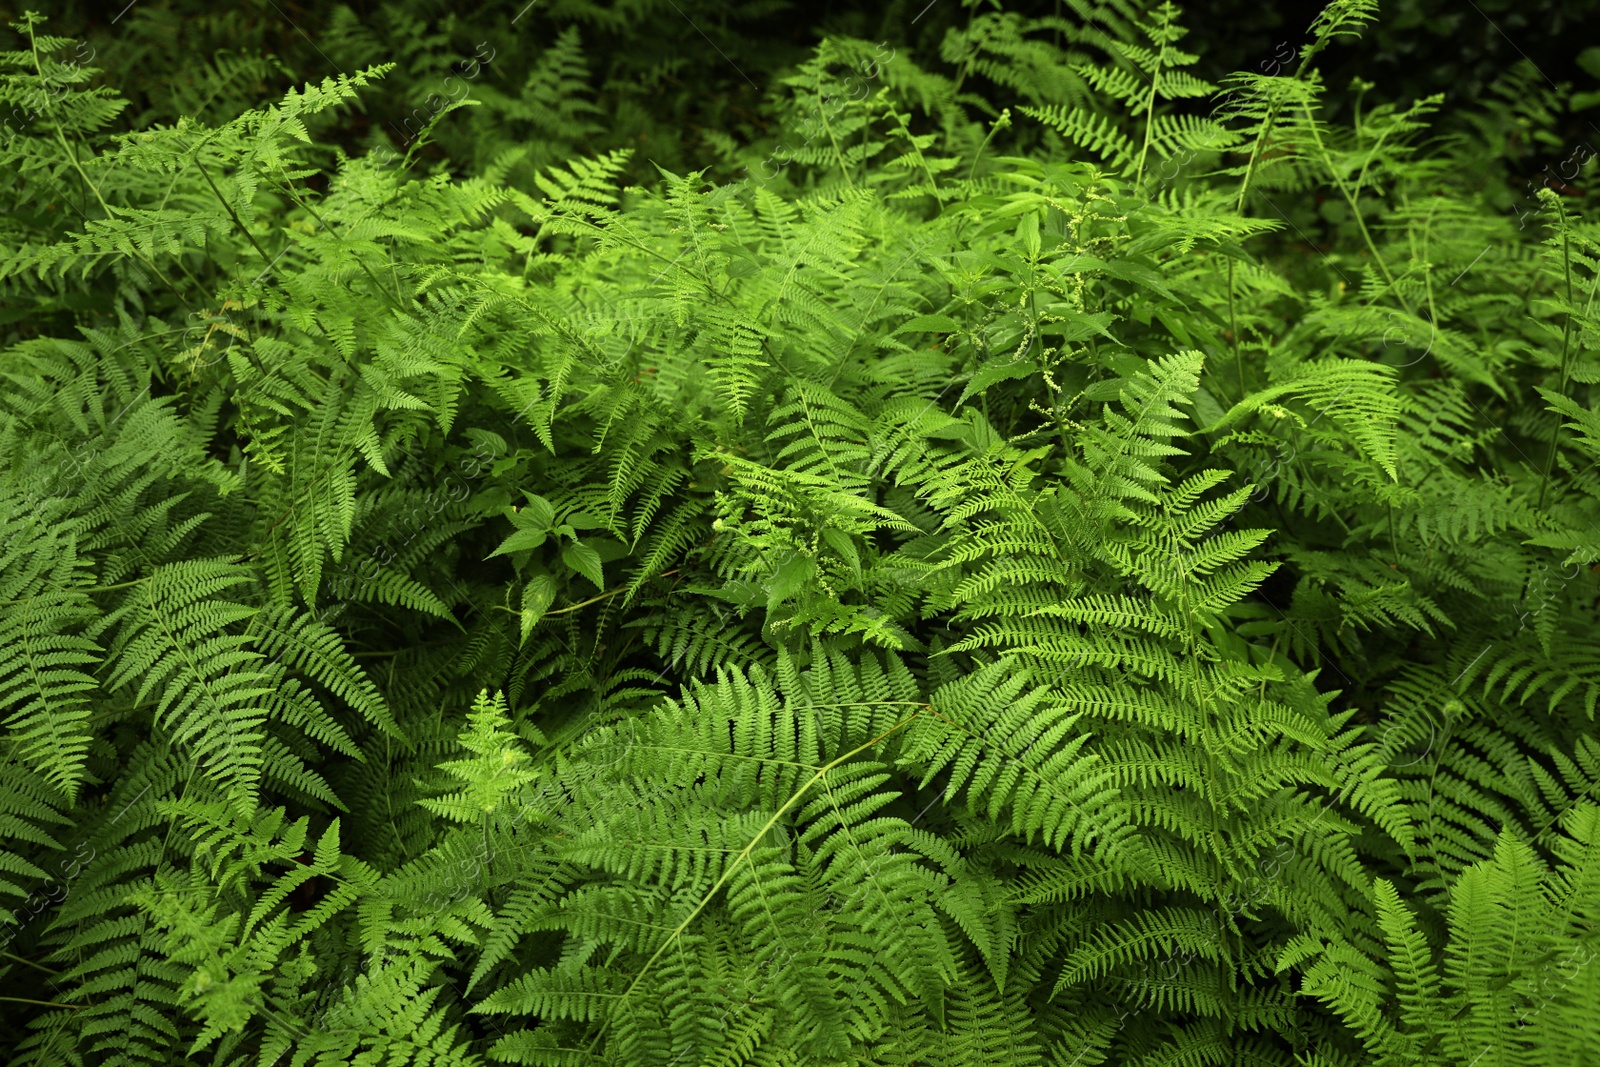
(1022, 556)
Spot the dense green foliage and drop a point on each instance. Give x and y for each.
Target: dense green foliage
(1027, 556)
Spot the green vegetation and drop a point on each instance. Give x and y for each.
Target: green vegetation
(1003, 551)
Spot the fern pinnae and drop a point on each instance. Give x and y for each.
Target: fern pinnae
(819, 776)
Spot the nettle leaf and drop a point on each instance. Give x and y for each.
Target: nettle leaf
(521, 541)
(790, 577)
(585, 560)
(537, 595)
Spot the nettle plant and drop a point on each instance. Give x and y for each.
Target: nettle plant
(984, 596)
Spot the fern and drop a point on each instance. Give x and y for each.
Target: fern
(848, 576)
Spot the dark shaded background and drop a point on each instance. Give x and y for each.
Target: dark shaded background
(692, 65)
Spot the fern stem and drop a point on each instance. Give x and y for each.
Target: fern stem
(1256, 149)
(1427, 276)
(932, 184)
(1433, 780)
(72, 155)
(844, 168)
(1208, 711)
(30, 963)
(399, 300)
(201, 167)
(78, 589)
(42, 1003)
(1355, 207)
(388, 794)
(1566, 345)
(1255, 155)
(1244, 188)
(744, 853)
(582, 604)
(1233, 334)
(966, 68)
(1238, 209)
(1150, 101)
(1394, 540)
(1001, 123)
